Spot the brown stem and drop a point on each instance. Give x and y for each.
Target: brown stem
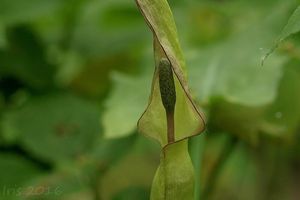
(170, 126)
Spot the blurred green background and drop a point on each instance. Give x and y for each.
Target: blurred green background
(75, 76)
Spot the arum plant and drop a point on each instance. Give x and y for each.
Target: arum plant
(171, 116)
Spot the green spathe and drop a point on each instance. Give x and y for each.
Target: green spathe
(187, 119)
(174, 178)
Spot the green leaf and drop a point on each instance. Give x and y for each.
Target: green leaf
(124, 104)
(29, 63)
(139, 174)
(230, 68)
(15, 172)
(283, 116)
(54, 127)
(103, 21)
(292, 27)
(243, 121)
(110, 151)
(59, 184)
(235, 76)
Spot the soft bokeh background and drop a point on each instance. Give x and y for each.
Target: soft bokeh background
(75, 76)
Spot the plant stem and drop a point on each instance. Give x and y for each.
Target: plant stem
(197, 148)
(95, 183)
(170, 126)
(215, 172)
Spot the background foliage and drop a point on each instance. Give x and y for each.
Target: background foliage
(75, 77)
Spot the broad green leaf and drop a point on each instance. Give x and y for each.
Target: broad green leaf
(124, 104)
(283, 116)
(240, 120)
(279, 119)
(230, 68)
(292, 27)
(54, 127)
(109, 151)
(225, 71)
